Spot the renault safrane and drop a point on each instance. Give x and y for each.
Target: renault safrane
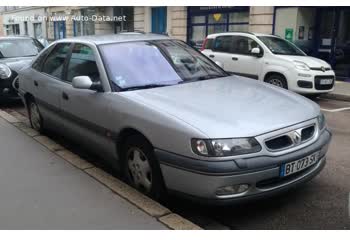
(172, 121)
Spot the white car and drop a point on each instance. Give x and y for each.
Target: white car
(270, 59)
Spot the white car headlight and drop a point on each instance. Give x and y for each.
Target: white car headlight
(5, 71)
(225, 147)
(301, 66)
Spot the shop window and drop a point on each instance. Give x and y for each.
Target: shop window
(239, 17)
(84, 28)
(238, 28)
(217, 18)
(128, 24)
(198, 19)
(216, 29)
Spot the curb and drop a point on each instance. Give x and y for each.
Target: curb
(141, 201)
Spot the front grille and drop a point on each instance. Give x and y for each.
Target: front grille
(320, 86)
(291, 139)
(321, 69)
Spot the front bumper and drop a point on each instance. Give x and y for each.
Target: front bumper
(201, 179)
(7, 92)
(306, 82)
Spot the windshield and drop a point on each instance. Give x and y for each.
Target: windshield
(10, 48)
(156, 63)
(281, 46)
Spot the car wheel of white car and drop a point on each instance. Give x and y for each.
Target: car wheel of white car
(35, 116)
(277, 80)
(141, 168)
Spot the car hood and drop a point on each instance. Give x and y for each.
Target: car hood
(18, 63)
(229, 107)
(310, 61)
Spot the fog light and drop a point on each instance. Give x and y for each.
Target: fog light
(304, 75)
(229, 190)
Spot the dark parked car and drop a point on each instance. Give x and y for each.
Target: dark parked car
(15, 53)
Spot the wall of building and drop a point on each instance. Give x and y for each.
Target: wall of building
(176, 20)
(32, 13)
(261, 19)
(1, 26)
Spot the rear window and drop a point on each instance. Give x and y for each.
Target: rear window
(209, 43)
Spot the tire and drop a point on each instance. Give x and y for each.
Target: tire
(277, 80)
(35, 118)
(141, 168)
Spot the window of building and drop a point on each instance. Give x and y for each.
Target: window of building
(55, 61)
(205, 21)
(25, 28)
(38, 31)
(59, 29)
(82, 63)
(128, 24)
(12, 29)
(83, 27)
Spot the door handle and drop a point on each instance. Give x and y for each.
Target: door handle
(211, 55)
(234, 59)
(36, 83)
(65, 96)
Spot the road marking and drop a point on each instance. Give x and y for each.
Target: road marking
(335, 110)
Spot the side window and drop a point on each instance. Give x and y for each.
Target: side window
(244, 45)
(82, 63)
(55, 61)
(223, 44)
(38, 63)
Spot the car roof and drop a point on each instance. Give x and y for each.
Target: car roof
(116, 38)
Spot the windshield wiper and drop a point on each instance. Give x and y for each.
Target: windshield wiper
(145, 86)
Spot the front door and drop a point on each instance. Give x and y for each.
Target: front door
(85, 111)
(333, 45)
(159, 19)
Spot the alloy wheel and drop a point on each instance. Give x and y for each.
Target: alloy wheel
(276, 82)
(139, 169)
(35, 116)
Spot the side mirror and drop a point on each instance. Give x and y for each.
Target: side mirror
(84, 82)
(256, 52)
(220, 64)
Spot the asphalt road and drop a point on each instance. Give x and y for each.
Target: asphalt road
(322, 203)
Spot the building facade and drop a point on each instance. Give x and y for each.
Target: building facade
(24, 21)
(322, 32)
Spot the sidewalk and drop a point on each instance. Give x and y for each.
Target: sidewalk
(341, 91)
(39, 190)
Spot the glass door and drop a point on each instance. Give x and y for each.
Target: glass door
(342, 45)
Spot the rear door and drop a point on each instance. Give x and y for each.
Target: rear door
(234, 51)
(85, 111)
(47, 83)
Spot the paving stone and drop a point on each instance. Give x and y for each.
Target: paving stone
(8, 117)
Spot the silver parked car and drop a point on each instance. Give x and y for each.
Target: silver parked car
(171, 120)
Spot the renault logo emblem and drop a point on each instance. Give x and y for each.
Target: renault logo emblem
(295, 136)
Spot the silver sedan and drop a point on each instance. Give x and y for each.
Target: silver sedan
(171, 120)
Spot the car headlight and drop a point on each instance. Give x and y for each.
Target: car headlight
(321, 121)
(301, 66)
(225, 147)
(5, 71)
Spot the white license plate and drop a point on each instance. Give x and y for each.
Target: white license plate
(299, 165)
(326, 81)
